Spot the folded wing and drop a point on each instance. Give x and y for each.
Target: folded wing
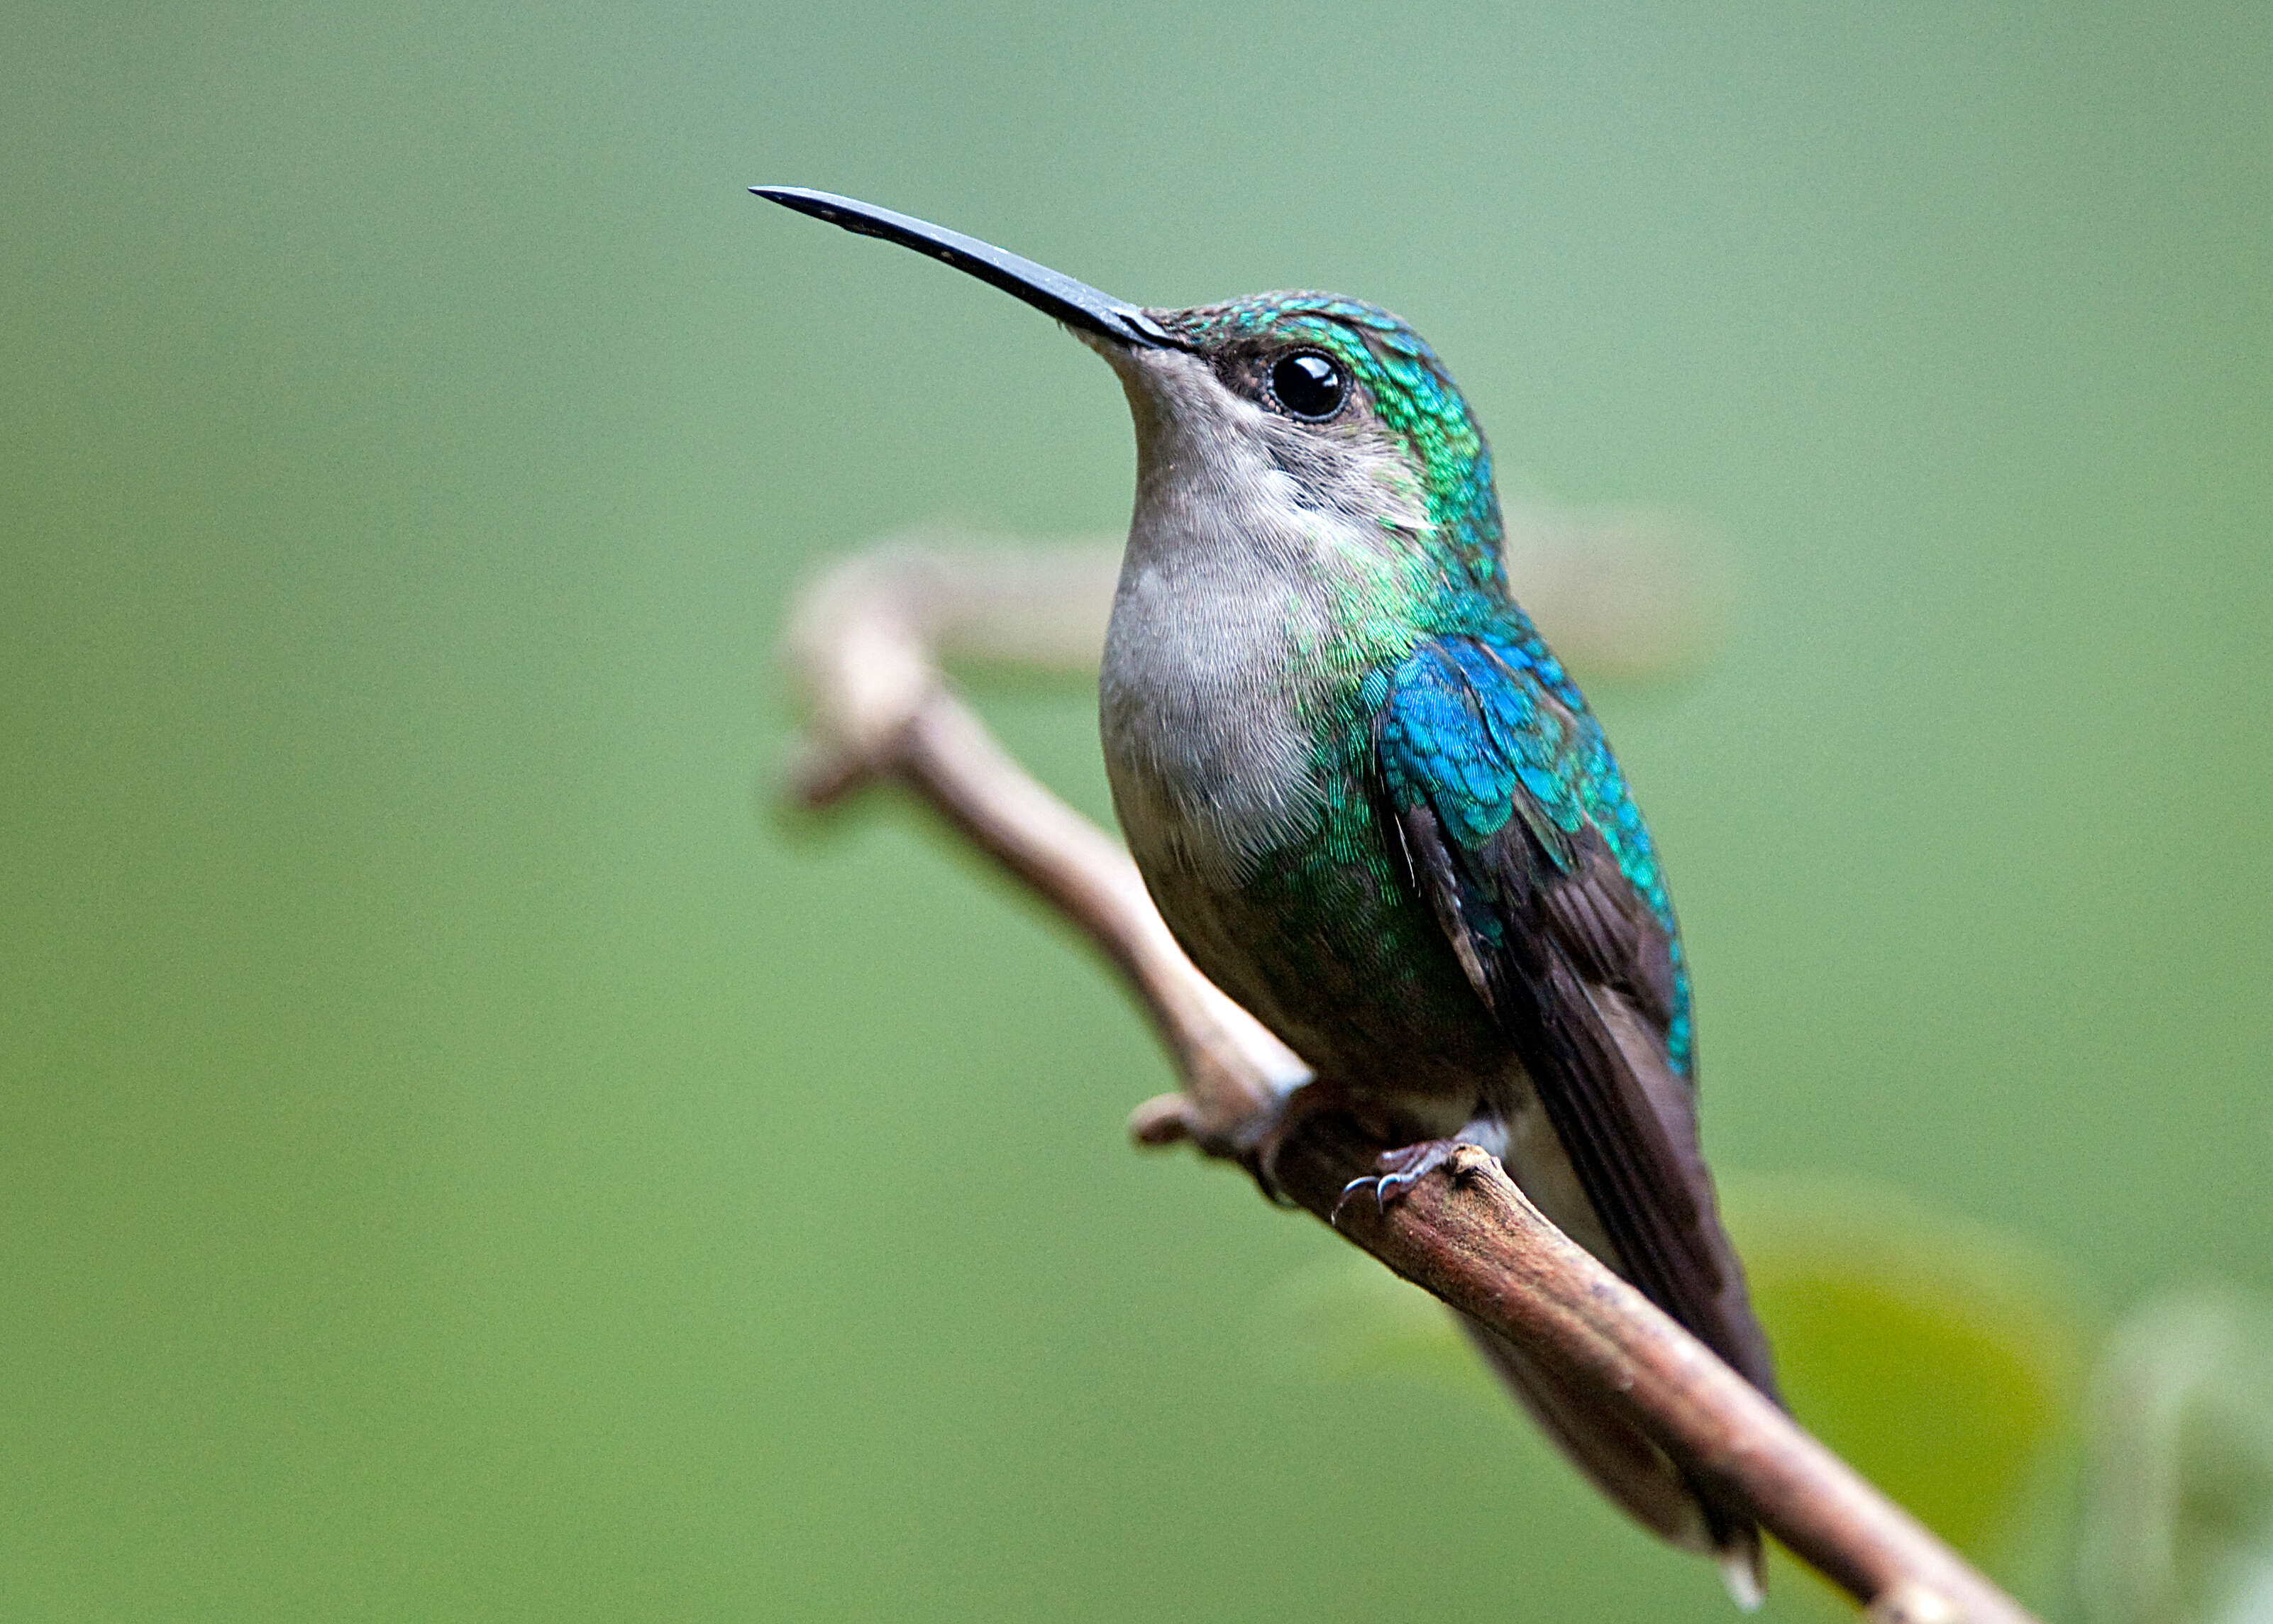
(1516, 825)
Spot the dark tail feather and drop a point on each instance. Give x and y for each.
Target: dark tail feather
(1633, 1473)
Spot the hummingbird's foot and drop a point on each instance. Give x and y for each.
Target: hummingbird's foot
(1262, 1141)
(1400, 1170)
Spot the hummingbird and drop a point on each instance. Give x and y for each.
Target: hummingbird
(1374, 808)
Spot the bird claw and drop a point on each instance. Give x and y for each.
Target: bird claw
(1401, 1169)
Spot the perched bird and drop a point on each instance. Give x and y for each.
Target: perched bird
(1377, 811)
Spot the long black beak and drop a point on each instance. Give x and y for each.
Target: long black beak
(1074, 302)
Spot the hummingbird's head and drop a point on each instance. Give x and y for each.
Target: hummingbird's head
(1266, 415)
(1335, 404)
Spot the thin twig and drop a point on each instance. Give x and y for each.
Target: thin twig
(866, 640)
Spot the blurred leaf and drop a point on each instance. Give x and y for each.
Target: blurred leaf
(2178, 1489)
(1943, 1359)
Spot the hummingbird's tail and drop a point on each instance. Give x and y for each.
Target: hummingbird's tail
(1638, 1476)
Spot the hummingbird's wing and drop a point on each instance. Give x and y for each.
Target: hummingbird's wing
(1516, 825)
(1513, 821)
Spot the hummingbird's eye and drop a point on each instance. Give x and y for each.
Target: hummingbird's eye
(1308, 385)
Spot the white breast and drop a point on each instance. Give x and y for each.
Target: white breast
(1200, 701)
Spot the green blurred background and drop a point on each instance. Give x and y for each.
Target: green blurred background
(460, 1161)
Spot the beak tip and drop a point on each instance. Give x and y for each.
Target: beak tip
(1058, 295)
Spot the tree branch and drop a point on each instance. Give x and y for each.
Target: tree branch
(867, 640)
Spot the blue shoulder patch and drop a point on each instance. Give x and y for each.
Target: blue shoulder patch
(1464, 731)
(1482, 730)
